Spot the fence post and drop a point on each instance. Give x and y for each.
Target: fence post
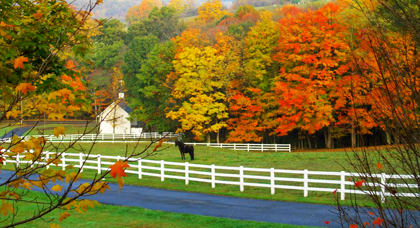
(71, 138)
(102, 137)
(17, 160)
(234, 146)
(50, 137)
(139, 161)
(99, 164)
(383, 187)
(248, 147)
(81, 162)
(275, 147)
(162, 171)
(123, 136)
(213, 176)
(241, 178)
(47, 157)
(186, 174)
(273, 190)
(343, 185)
(305, 183)
(92, 137)
(262, 147)
(63, 160)
(290, 148)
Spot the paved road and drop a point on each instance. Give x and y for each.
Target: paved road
(217, 206)
(17, 131)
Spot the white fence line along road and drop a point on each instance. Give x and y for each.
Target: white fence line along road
(241, 176)
(126, 138)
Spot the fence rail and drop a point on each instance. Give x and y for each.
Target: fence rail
(124, 138)
(270, 178)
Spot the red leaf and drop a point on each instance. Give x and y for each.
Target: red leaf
(159, 144)
(117, 168)
(379, 165)
(353, 226)
(335, 191)
(371, 213)
(359, 183)
(327, 222)
(377, 221)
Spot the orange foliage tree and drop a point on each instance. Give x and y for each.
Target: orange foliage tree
(316, 74)
(138, 12)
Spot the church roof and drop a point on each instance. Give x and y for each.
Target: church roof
(125, 106)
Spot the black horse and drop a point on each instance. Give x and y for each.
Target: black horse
(185, 149)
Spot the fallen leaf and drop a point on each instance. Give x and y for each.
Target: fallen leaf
(5, 208)
(64, 216)
(53, 225)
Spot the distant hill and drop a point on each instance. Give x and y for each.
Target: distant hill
(118, 8)
(109, 9)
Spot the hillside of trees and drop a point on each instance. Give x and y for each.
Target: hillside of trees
(288, 76)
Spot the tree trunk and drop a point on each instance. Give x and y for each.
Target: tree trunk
(396, 139)
(316, 141)
(309, 140)
(353, 135)
(328, 137)
(218, 136)
(388, 137)
(208, 138)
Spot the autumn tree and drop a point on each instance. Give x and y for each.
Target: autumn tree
(210, 11)
(33, 34)
(387, 57)
(249, 116)
(150, 93)
(102, 64)
(316, 72)
(141, 11)
(199, 106)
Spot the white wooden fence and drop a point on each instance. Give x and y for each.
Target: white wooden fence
(248, 146)
(111, 137)
(270, 178)
(124, 138)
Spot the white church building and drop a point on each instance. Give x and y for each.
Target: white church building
(115, 119)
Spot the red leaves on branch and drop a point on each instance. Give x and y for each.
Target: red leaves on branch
(118, 168)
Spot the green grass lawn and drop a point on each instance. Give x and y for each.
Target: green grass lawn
(121, 216)
(47, 129)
